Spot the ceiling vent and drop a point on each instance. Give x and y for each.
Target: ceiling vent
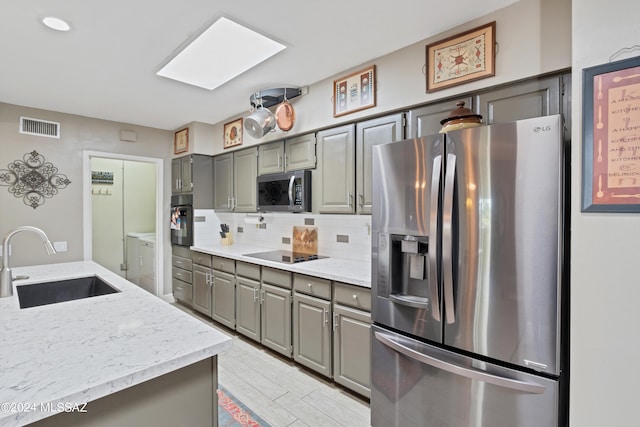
(39, 127)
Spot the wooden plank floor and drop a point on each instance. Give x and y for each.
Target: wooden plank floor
(282, 392)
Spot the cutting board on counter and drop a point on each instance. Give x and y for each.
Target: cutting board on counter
(305, 240)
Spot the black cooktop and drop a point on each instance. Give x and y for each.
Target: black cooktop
(287, 257)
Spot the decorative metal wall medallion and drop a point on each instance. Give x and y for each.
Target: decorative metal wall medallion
(33, 179)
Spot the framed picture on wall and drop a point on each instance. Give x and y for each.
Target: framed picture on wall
(462, 58)
(233, 133)
(181, 141)
(354, 92)
(611, 137)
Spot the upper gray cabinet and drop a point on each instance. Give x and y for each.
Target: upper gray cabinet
(336, 162)
(284, 156)
(245, 172)
(234, 176)
(193, 174)
(533, 98)
(223, 182)
(425, 120)
(368, 134)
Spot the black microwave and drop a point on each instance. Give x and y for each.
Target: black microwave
(285, 192)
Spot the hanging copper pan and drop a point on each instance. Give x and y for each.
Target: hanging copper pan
(285, 116)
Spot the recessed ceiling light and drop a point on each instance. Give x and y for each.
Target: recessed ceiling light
(222, 52)
(56, 23)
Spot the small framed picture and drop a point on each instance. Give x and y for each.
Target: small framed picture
(233, 133)
(355, 92)
(462, 58)
(181, 141)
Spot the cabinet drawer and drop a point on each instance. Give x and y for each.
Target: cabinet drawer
(224, 264)
(276, 277)
(248, 270)
(201, 259)
(352, 296)
(180, 274)
(182, 251)
(309, 285)
(180, 262)
(182, 291)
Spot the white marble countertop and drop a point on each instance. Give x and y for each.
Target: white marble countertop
(78, 351)
(341, 270)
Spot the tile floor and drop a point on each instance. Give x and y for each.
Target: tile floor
(282, 392)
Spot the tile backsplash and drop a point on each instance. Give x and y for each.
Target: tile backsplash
(340, 236)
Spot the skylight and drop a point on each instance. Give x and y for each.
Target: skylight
(222, 52)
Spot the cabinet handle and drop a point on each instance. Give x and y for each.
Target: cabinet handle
(255, 295)
(141, 262)
(325, 317)
(350, 198)
(279, 161)
(262, 297)
(361, 198)
(310, 286)
(335, 322)
(355, 297)
(286, 160)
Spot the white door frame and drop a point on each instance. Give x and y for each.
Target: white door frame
(87, 208)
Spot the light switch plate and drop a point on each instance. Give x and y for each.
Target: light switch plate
(60, 246)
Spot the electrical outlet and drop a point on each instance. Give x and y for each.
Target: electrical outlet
(60, 246)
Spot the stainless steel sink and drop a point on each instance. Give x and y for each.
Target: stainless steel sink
(62, 290)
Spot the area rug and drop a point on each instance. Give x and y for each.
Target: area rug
(234, 413)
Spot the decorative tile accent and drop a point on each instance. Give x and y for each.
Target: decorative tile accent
(33, 179)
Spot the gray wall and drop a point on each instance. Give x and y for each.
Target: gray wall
(61, 216)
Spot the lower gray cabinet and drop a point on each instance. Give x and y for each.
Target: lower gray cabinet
(352, 337)
(223, 291)
(312, 323)
(275, 299)
(202, 289)
(248, 300)
(182, 275)
(223, 298)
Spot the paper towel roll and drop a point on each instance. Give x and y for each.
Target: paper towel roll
(253, 220)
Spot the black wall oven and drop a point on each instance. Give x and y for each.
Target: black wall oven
(182, 220)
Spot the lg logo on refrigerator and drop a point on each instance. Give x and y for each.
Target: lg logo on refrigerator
(538, 129)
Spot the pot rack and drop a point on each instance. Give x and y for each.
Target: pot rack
(270, 97)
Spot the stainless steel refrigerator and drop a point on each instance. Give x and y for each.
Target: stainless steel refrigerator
(469, 286)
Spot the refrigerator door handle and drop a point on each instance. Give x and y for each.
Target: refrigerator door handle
(433, 231)
(447, 238)
(473, 374)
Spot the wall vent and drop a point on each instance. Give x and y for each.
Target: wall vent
(39, 127)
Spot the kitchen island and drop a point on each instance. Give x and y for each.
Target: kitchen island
(126, 358)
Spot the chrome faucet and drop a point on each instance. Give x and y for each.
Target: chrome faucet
(6, 281)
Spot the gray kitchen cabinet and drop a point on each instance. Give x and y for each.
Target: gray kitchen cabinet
(223, 182)
(202, 283)
(181, 272)
(531, 98)
(300, 152)
(245, 172)
(312, 323)
(271, 158)
(234, 176)
(248, 300)
(223, 291)
(289, 155)
(193, 174)
(352, 337)
(370, 133)
(424, 121)
(275, 299)
(335, 190)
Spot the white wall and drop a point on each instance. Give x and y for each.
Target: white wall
(605, 290)
(128, 205)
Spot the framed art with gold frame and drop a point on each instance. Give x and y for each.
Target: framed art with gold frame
(181, 141)
(462, 58)
(233, 133)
